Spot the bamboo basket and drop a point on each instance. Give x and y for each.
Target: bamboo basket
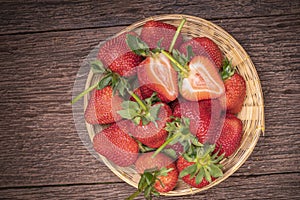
(252, 114)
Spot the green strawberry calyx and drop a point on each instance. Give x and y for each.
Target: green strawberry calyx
(205, 163)
(147, 182)
(108, 78)
(140, 47)
(141, 111)
(179, 131)
(227, 69)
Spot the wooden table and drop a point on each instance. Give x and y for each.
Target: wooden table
(42, 45)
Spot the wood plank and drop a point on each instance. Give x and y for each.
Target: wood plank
(33, 16)
(38, 141)
(278, 186)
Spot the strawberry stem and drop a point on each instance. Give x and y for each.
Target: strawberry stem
(182, 69)
(135, 194)
(139, 101)
(84, 93)
(227, 69)
(176, 34)
(165, 144)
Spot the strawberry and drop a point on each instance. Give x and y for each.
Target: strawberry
(205, 119)
(158, 174)
(152, 132)
(179, 139)
(154, 32)
(116, 145)
(156, 73)
(198, 79)
(144, 92)
(202, 81)
(103, 106)
(231, 135)
(235, 88)
(199, 166)
(205, 47)
(183, 164)
(118, 57)
(147, 92)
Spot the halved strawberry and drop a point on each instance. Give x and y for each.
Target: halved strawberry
(202, 80)
(205, 47)
(118, 56)
(156, 73)
(155, 31)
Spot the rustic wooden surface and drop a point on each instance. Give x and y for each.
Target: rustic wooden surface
(41, 47)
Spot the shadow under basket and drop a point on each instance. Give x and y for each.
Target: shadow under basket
(252, 114)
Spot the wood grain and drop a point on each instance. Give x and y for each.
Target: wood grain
(236, 188)
(33, 16)
(41, 154)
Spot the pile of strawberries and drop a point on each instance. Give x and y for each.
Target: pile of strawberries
(170, 106)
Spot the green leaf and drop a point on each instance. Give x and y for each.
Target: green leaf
(127, 114)
(147, 192)
(98, 67)
(155, 193)
(190, 53)
(227, 69)
(180, 58)
(158, 47)
(154, 110)
(105, 81)
(137, 45)
(187, 155)
(137, 120)
(142, 182)
(164, 171)
(207, 175)
(130, 105)
(148, 177)
(215, 171)
(188, 170)
(200, 176)
(170, 152)
(161, 183)
(196, 142)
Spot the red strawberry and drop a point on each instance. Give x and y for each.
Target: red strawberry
(235, 91)
(152, 134)
(103, 106)
(155, 31)
(146, 162)
(201, 81)
(204, 120)
(206, 47)
(183, 164)
(231, 136)
(156, 73)
(118, 57)
(116, 145)
(147, 92)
